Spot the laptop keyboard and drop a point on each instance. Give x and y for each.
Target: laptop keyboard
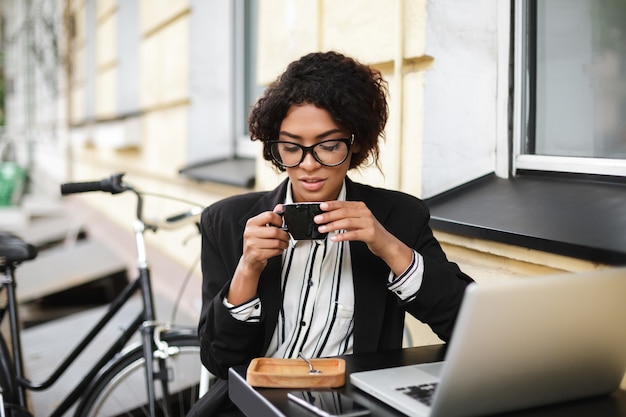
(422, 393)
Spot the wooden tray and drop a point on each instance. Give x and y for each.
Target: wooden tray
(294, 373)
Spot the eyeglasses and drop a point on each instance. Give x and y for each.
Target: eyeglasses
(329, 153)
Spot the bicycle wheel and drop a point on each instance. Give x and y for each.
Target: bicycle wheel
(120, 391)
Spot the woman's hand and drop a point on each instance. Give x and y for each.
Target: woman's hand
(360, 224)
(262, 239)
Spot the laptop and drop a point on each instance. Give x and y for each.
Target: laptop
(517, 344)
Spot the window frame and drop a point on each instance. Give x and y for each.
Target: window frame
(219, 149)
(522, 44)
(245, 89)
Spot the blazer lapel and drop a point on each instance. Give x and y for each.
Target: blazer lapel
(369, 273)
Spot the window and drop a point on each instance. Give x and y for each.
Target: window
(570, 89)
(223, 85)
(245, 87)
(568, 104)
(89, 62)
(128, 57)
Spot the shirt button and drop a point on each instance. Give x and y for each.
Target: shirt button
(311, 283)
(303, 323)
(256, 306)
(399, 292)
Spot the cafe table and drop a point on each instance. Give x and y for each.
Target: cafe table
(273, 402)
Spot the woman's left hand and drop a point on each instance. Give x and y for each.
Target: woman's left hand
(360, 224)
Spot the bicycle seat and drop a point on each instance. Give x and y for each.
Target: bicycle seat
(14, 250)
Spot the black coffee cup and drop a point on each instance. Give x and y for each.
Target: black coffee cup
(298, 221)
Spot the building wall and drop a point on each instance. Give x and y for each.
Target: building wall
(448, 95)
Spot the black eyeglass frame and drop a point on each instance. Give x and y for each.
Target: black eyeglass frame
(309, 149)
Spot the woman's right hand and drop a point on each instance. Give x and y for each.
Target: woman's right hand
(263, 239)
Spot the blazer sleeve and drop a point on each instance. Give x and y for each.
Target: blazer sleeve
(224, 341)
(443, 283)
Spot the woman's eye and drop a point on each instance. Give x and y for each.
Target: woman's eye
(290, 148)
(330, 147)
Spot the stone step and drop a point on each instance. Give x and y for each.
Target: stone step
(62, 268)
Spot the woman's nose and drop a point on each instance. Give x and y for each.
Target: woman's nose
(309, 161)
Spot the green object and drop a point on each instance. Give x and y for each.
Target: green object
(12, 178)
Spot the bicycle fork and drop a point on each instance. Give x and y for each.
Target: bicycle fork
(161, 352)
(153, 346)
(155, 349)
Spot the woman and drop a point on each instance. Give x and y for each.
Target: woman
(266, 296)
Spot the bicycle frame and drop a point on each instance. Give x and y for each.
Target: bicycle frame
(145, 321)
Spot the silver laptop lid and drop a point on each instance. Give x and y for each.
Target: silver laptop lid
(532, 341)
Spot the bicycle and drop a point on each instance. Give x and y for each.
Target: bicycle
(170, 386)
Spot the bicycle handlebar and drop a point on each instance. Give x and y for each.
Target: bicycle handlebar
(112, 185)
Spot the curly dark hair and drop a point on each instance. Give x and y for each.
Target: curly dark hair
(353, 93)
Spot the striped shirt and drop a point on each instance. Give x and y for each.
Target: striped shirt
(317, 308)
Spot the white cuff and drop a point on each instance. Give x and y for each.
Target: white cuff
(407, 284)
(249, 311)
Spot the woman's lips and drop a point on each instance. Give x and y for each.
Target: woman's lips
(312, 184)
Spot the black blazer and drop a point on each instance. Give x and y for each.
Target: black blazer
(378, 313)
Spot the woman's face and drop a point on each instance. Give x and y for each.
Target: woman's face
(308, 125)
